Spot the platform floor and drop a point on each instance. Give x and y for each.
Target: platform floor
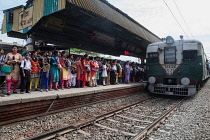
(54, 94)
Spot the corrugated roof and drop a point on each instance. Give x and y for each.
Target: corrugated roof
(20, 6)
(106, 10)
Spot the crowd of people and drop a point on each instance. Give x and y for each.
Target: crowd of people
(44, 71)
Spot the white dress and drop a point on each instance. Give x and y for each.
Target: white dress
(104, 72)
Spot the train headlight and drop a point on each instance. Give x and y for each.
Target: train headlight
(152, 80)
(185, 81)
(170, 81)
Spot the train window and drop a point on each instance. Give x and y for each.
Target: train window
(170, 55)
(190, 54)
(153, 57)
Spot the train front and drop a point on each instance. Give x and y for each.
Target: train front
(174, 67)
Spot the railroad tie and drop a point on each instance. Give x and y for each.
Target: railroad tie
(113, 129)
(133, 119)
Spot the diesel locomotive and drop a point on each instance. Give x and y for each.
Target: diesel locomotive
(176, 67)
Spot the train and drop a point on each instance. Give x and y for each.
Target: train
(176, 67)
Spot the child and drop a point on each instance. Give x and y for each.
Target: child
(25, 73)
(45, 74)
(34, 71)
(73, 74)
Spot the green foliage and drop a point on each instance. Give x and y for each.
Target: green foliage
(109, 57)
(74, 50)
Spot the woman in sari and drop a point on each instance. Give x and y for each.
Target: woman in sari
(127, 73)
(94, 67)
(54, 74)
(86, 69)
(79, 70)
(13, 59)
(108, 65)
(64, 75)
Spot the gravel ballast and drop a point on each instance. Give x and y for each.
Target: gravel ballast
(120, 130)
(191, 121)
(42, 124)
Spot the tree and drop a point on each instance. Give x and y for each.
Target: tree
(74, 50)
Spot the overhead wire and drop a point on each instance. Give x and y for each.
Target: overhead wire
(175, 18)
(183, 19)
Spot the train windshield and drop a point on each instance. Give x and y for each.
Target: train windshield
(153, 57)
(170, 55)
(189, 54)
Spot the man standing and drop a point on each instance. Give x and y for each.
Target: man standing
(113, 73)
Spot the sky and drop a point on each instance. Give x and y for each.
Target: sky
(155, 16)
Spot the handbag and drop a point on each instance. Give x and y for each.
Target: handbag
(67, 64)
(88, 68)
(94, 69)
(73, 70)
(59, 66)
(6, 69)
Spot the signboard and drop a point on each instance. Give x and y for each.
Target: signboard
(170, 68)
(54, 23)
(26, 18)
(138, 50)
(103, 38)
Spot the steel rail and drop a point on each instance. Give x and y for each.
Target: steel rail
(30, 117)
(157, 122)
(68, 128)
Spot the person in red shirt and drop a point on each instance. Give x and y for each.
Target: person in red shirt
(34, 71)
(79, 69)
(86, 69)
(94, 67)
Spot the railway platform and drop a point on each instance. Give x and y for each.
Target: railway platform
(18, 107)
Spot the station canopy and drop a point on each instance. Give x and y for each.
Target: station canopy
(93, 25)
(8, 46)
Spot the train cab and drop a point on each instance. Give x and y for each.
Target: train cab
(176, 67)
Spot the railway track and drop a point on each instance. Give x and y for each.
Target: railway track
(134, 121)
(46, 111)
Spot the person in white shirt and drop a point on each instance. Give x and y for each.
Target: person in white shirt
(104, 73)
(25, 73)
(113, 73)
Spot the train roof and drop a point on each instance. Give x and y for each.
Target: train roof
(175, 41)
